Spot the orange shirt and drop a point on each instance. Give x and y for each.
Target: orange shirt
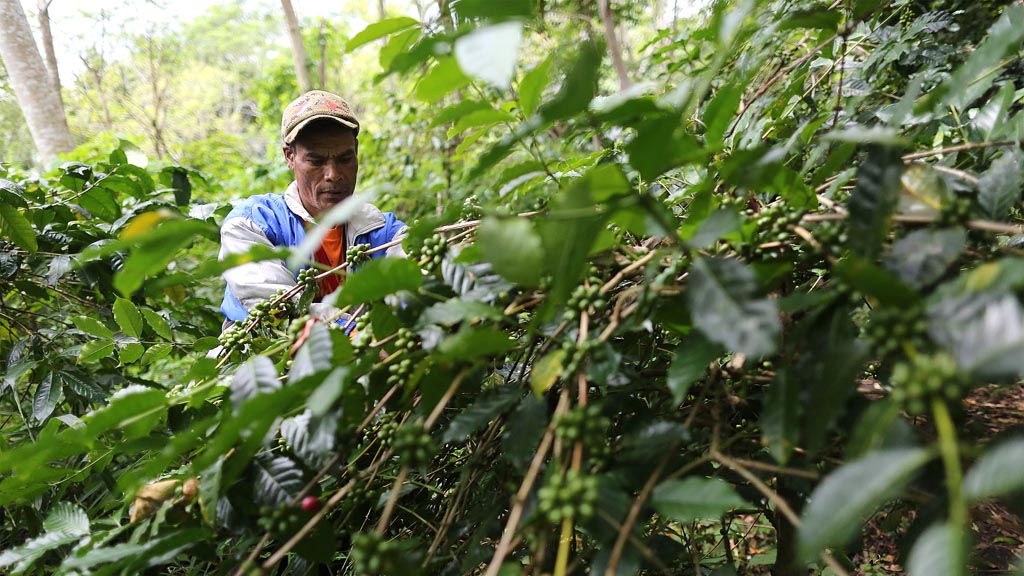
(330, 254)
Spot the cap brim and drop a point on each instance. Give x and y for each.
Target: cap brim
(298, 127)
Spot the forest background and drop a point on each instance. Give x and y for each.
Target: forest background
(720, 287)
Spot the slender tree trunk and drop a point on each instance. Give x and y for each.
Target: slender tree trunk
(36, 95)
(51, 55)
(381, 10)
(298, 47)
(613, 44)
(446, 15)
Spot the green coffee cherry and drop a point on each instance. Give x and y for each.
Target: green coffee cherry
(915, 383)
(571, 496)
(357, 255)
(413, 445)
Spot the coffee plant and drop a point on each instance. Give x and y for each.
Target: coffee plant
(636, 325)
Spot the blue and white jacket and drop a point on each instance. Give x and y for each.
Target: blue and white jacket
(277, 220)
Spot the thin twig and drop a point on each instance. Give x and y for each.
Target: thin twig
(959, 148)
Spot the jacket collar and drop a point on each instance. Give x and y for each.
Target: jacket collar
(366, 217)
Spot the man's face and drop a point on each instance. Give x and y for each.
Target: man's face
(325, 164)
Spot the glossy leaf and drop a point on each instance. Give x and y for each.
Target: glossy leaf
(473, 343)
(95, 350)
(278, 480)
(923, 256)
(513, 248)
(724, 304)
(490, 53)
(379, 278)
(128, 317)
(92, 326)
(984, 332)
(850, 494)
(531, 87)
(998, 472)
(941, 549)
(158, 323)
(255, 377)
(379, 30)
(48, 394)
(546, 371)
(694, 498)
(578, 89)
(487, 407)
(445, 77)
(692, 358)
(781, 417)
(1001, 186)
(16, 228)
(316, 355)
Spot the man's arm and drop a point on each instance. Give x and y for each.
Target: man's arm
(253, 281)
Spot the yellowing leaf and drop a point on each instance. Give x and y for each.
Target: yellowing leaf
(546, 372)
(144, 223)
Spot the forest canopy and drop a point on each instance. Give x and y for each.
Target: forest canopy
(722, 288)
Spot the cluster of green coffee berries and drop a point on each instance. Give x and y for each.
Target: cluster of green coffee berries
(432, 252)
(405, 340)
(584, 423)
(413, 445)
(571, 496)
(307, 277)
(236, 337)
(832, 238)
(586, 297)
(371, 554)
(576, 353)
(285, 520)
(357, 255)
(269, 311)
(399, 371)
(891, 328)
(774, 224)
(924, 377)
(587, 425)
(957, 211)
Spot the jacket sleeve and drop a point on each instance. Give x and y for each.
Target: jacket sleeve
(253, 281)
(398, 251)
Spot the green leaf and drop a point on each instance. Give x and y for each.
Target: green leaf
(133, 558)
(155, 352)
(278, 480)
(850, 494)
(874, 281)
(1000, 471)
(523, 431)
(695, 498)
(92, 326)
(662, 143)
(128, 317)
(315, 355)
(16, 228)
(379, 30)
(67, 518)
(874, 199)
(453, 311)
(1000, 187)
(477, 342)
(719, 113)
(780, 419)
(488, 406)
(444, 78)
(490, 10)
(984, 332)
(101, 203)
(531, 87)
(479, 118)
(579, 86)
(991, 119)
(377, 279)
(327, 393)
(25, 555)
(513, 248)
(820, 18)
(95, 350)
(490, 53)
(311, 440)
(923, 256)
(158, 323)
(722, 299)
(48, 394)
(131, 352)
(692, 358)
(82, 385)
(941, 549)
(460, 110)
(182, 186)
(12, 193)
(255, 377)
(546, 371)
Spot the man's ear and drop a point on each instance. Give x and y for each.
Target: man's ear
(289, 155)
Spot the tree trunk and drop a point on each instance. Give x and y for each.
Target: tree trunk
(51, 55)
(322, 65)
(382, 12)
(613, 44)
(37, 97)
(298, 47)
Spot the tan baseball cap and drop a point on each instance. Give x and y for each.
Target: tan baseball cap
(314, 105)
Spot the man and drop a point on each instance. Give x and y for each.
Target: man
(321, 145)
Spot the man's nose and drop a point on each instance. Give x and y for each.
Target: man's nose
(331, 172)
